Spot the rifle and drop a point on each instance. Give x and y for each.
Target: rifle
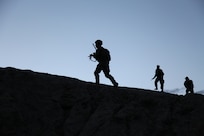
(91, 55)
(94, 46)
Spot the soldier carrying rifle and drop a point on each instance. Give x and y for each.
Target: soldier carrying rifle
(102, 55)
(159, 75)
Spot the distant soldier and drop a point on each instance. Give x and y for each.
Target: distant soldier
(159, 75)
(102, 55)
(189, 85)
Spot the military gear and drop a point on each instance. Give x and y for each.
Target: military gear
(98, 42)
(102, 55)
(189, 85)
(159, 75)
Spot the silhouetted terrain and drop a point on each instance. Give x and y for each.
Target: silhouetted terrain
(39, 104)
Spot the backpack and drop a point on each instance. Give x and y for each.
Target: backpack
(105, 55)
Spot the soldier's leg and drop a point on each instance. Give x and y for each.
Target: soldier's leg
(96, 73)
(192, 91)
(112, 79)
(155, 83)
(162, 84)
(187, 91)
(106, 71)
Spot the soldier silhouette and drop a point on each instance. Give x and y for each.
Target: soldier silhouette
(159, 75)
(189, 85)
(102, 55)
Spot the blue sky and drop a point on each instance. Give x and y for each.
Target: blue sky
(56, 36)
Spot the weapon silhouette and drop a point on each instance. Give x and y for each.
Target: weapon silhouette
(91, 55)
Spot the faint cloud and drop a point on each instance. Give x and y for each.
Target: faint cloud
(179, 91)
(182, 91)
(201, 92)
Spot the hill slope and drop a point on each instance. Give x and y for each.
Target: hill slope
(39, 104)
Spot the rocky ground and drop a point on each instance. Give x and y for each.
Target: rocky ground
(40, 104)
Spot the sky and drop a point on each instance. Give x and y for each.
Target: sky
(56, 37)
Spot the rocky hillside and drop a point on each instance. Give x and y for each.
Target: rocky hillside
(39, 104)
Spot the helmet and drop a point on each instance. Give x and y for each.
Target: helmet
(98, 42)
